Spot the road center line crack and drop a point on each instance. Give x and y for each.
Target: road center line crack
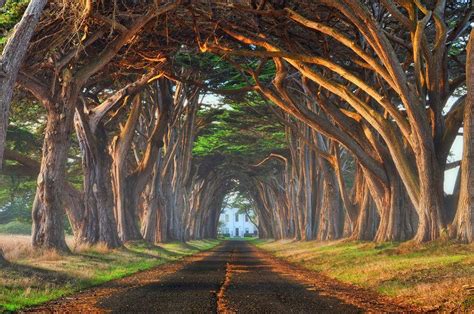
(222, 304)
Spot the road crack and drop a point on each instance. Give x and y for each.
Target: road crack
(222, 303)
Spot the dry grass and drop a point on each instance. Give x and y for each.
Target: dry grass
(34, 276)
(100, 248)
(15, 247)
(435, 275)
(18, 247)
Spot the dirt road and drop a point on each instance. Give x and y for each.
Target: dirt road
(234, 277)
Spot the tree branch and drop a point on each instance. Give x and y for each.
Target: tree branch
(37, 89)
(113, 48)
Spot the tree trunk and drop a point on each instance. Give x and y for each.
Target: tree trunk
(98, 223)
(396, 223)
(74, 206)
(330, 216)
(367, 221)
(123, 186)
(393, 203)
(154, 222)
(126, 205)
(431, 198)
(48, 209)
(266, 226)
(463, 225)
(11, 59)
(150, 225)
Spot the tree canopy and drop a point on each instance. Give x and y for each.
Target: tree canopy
(335, 118)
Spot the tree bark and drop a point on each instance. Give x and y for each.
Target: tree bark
(48, 208)
(368, 219)
(154, 223)
(123, 190)
(364, 217)
(430, 204)
(397, 221)
(73, 201)
(463, 225)
(98, 223)
(11, 59)
(331, 215)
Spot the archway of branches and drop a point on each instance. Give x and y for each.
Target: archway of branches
(335, 118)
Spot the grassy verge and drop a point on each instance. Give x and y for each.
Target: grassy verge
(435, 275)
(37, 277)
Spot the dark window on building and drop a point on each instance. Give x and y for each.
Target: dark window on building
(236, 217)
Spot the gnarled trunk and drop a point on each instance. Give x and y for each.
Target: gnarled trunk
(98, 221)
(48, 209)
(122, 185)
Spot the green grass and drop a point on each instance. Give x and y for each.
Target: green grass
(434, 275)
(36, 278)
(16, 227)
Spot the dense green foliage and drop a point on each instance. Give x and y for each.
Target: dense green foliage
(24, 136)
(217, 74)
(240, 130)
(10, 14)
(239, 126)
(16, 197)
(16, 227)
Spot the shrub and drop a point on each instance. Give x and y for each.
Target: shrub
(16, 227)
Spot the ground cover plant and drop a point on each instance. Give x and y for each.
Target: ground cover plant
(437, 275)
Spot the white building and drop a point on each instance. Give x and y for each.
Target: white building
(234, 224)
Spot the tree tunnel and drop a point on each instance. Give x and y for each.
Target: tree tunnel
(333, 118)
